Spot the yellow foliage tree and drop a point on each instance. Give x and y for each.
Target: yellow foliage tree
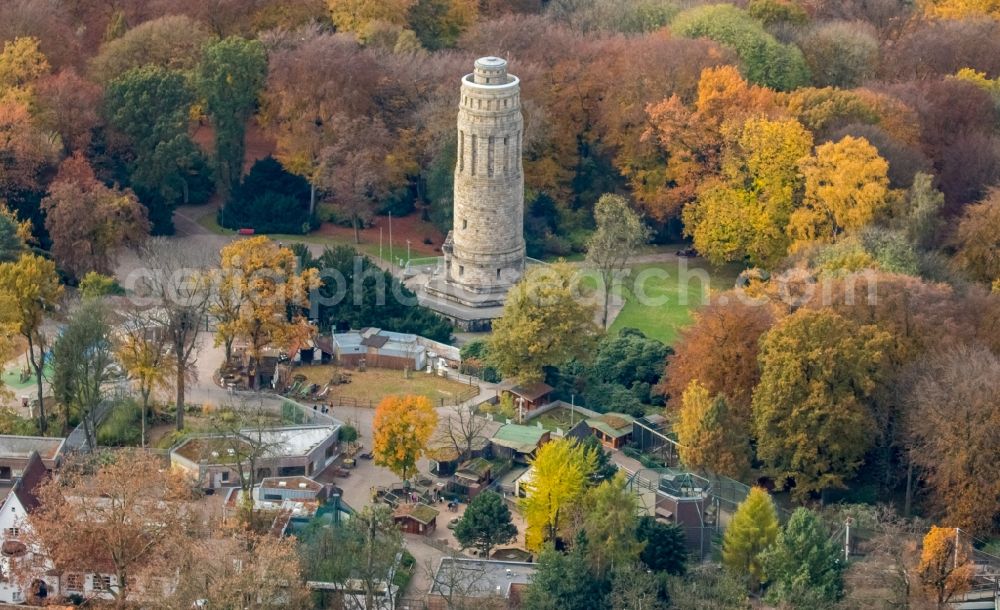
(753, 528)
(30, 287)
(610, 520)
(357, 15)
(21, 63)
(402, 427)
(710, 433)
(142, 348)
(260, 282)
(847, 187)
(944, 571)
(545, 322)
(813, 408)
(961, 9)
(560, 472)
(746, 214)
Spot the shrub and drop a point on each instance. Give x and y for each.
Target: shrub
(841, 54)
(765, 60)
(347, 434)
(12, 423)
(123, 427)
(96, 285)
(771, 12)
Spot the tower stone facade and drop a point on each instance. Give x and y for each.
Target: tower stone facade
(484, 252)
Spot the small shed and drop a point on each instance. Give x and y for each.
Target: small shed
(518, 443)
(416, 518)
(613, 429)
(444, 460)
(473, 476)
(530, 396)
(318, 350)
(267, 366)
(347, 349)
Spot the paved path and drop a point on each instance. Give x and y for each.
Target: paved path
(357, 486)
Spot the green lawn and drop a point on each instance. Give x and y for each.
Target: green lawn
(660, 297)
(375, 384)
(559, 418)
(12, 376)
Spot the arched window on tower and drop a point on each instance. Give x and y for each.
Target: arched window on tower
(517, 150)
(474, 151)
(489, 157)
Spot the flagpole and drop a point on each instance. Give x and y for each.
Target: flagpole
(390, 241)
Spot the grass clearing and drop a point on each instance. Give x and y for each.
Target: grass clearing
(12, 376)
(560, 418)
(660, 297)
(374, 384)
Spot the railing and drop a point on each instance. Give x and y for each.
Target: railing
(434, 264)
(429, 265)
(467, 394)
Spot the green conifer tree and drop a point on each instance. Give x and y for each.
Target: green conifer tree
(803, 567)
(752, 530)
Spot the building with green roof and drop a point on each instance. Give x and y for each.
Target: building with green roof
(612, 429)
(518, 443)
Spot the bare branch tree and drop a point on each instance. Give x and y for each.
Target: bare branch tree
(460, 430)
(176, 280)
(246, 439)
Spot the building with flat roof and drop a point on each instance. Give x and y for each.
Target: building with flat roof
(479, 583)
(16, 450)
(391, 350)
(216, 460)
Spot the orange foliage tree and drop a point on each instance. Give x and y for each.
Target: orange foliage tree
(90, 223)
(127, 519)
(952, 415)
(720, 351)
(944, 571)
(692, 139)
(402, 427)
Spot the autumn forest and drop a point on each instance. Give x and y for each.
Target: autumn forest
(840, 157)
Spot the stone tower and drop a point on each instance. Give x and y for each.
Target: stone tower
(484, 252)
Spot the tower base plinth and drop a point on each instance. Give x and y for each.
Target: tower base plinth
(470, 311)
